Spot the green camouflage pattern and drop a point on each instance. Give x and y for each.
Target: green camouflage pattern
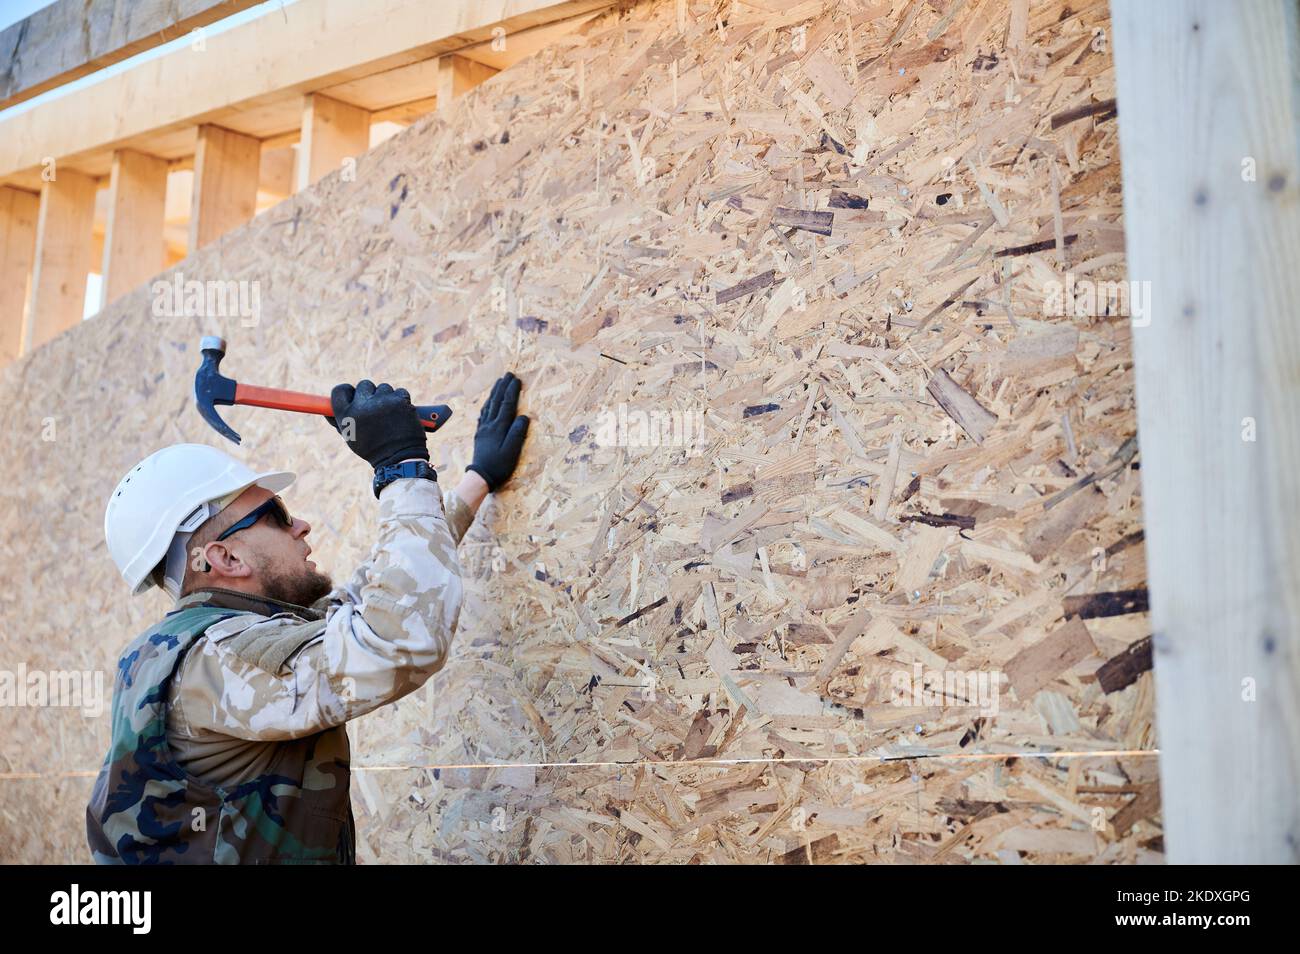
(145, 809)
(233, 709)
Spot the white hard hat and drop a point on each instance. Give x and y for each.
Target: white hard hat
(169, 492)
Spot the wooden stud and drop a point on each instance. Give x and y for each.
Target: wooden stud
(226, 168)
(332, 132)
(64, 255)
(458, 75)
(279, 171)
(18, 213)
(133, 236)
(1211, 179)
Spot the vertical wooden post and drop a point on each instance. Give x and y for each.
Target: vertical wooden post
(18, 214)
(458, 75)
(64, 254)
(133, 238)
(332, 131)
(279, 172)
(225, 183)
(1207, 96)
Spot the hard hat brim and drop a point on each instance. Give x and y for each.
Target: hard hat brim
(274, 480)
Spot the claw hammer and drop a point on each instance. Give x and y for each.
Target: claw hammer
(212, 388)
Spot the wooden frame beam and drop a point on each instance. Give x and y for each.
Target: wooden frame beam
(71, 38)
(19, 211)
(226, 168)
(1210, 149)
(332, 132)
(134, 250)
(251, 79)
(64, 255)
(458, 75)
(279, 172)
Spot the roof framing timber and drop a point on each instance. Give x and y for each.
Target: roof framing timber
(71, 38)
(251, 79)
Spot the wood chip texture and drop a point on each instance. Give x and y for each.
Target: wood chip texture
(721, 586)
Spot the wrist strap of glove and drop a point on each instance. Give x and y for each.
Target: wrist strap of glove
(412, 468)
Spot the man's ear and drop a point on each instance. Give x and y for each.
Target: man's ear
(224, 561)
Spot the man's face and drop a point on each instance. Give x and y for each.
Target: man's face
(271, 557)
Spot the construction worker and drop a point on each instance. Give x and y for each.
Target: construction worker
(229, 742)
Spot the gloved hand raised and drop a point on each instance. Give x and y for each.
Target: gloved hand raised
(379, 423)
(500, 434)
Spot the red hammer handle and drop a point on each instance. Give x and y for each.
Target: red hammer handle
(282, 400)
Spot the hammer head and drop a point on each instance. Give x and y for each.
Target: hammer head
(212, 388)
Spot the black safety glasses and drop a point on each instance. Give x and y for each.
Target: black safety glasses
(272, 506)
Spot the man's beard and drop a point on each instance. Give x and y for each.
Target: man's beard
(300, 589)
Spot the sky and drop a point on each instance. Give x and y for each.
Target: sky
(11, 11)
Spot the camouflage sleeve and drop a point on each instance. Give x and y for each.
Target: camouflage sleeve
(385, 633)
(459, 516)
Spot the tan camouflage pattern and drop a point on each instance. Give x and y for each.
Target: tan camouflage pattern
(382, 635)
(257, 704)
(458, 515)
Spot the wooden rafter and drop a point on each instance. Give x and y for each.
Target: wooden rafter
(71, 38)
(252, 79)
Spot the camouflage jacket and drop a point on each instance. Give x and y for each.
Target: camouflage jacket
(228, 738)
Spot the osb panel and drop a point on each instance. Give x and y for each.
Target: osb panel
(829, 234)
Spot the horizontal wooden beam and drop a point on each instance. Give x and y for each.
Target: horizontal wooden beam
(72, 38)
(406, 113)
(251, 79)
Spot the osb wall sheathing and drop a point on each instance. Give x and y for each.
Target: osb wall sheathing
(829, 229)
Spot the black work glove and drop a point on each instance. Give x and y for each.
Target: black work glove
(500, 434)
(379, 423)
